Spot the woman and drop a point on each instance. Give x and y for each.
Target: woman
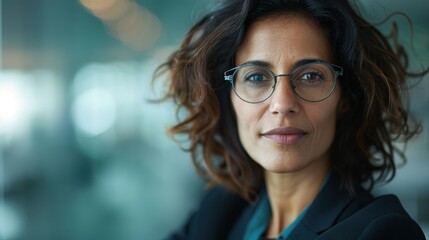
(293, 106)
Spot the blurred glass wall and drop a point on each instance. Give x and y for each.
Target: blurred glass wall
(83, 155)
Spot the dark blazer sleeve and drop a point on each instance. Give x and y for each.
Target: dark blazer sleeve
(392, 227)
(214, 218)
(183, 232)
(384, 218)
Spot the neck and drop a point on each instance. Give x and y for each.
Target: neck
(290, 193)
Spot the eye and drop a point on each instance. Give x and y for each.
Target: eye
(256, 77)
(309, 76)
(312, 76)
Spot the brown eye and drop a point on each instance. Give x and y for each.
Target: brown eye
(311, 78)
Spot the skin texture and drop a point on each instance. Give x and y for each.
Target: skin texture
(295, 164)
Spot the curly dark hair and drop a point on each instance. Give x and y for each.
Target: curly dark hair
(374, 92)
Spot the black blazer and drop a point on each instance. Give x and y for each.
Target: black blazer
(334, 214)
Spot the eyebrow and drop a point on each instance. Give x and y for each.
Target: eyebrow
(295, 65)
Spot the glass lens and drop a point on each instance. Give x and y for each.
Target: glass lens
(253, 83)
(314, 81)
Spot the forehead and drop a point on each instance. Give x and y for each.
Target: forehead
(284, 39)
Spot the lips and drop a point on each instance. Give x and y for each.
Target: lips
(285, 136)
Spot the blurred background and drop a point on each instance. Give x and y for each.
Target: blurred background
(83, 155)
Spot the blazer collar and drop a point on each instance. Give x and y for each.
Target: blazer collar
(321, 215)
(327, 206)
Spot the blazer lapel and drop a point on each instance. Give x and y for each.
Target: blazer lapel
(324, 210)
(240, 226)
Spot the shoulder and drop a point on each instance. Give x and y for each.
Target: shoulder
(392, 226)
(219, 196)
(219, 203)
(217, 213)
(383, 218)
(389, 220)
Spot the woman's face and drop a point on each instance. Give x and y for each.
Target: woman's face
(286, 134)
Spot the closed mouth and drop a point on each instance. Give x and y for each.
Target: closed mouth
(285, 136)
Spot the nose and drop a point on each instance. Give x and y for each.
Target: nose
(284, 100)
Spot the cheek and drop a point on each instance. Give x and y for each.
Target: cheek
(247, 117)
(326, 126)
(324, 119)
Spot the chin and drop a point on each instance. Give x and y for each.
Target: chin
(281, 166)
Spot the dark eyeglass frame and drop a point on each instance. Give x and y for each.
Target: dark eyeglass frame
(337, 71)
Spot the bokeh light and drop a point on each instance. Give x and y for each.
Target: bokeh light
(15, 96)
(11, 222)
(11, 104)
(126, 20)
(94, 111)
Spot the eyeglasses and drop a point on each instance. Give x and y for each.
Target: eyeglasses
(312, 82)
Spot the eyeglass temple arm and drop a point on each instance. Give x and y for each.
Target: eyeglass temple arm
(339, 71)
